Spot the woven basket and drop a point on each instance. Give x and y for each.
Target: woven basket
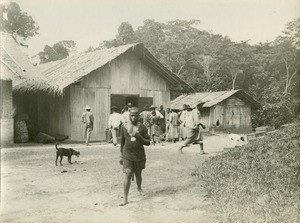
(20, 131)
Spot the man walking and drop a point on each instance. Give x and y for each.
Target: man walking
(134, 135)
(114, 121)
(88, 119)
(193, 132)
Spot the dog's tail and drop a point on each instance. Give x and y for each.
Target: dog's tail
(56, 146)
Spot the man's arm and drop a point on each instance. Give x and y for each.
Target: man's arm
(82, 118)
(159, 114)
(143, 137)
(122, 140)
(122, 119)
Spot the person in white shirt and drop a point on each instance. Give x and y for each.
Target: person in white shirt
(193, 123)
(182, 119)
(88, 119)
(126, 114)
(114, 121)
(234, 140)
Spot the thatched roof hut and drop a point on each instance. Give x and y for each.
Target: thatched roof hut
(15, 65)
(100, 79)
(60, 74)
(15, 69)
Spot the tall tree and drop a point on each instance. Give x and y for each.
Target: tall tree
(17, 22)
(58, 51)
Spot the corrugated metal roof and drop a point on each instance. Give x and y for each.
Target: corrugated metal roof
(210, 98)
(62, 73)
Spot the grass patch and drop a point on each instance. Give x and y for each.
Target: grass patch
(259, 182)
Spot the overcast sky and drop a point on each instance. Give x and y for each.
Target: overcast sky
(88, 22)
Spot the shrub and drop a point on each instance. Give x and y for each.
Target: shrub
(259, 182)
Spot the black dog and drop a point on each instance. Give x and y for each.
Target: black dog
(65, 152)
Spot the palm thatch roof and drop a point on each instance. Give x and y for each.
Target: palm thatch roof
(211, 98)
(15, 65)
(63, 73)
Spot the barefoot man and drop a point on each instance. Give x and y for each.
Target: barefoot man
(193, 132)
(134, 135)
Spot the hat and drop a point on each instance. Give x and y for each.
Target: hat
(114, 108)
(134, 110)
(87, 107)
(152, 106)
(129, 103)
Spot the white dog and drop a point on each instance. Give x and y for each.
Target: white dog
(234, 139)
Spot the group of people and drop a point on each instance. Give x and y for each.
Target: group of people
(161, 125)
(135, 129)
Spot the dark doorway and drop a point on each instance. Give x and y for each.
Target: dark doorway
(120, 101)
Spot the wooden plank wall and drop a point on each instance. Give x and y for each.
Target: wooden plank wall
(129, 75)
(237, 113)
(217, 113)
(59, 114)
(125, 75)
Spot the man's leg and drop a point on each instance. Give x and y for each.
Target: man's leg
(201, 143)
(192, 134)
(138, 176)
(186, 143)
(114, 136)
(88, 136)
(127, 182)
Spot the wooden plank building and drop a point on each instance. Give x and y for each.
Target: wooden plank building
(100, 79)
(223, 109)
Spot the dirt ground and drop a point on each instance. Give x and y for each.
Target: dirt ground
(34, 190)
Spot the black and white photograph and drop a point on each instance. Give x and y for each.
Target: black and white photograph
(147, 111)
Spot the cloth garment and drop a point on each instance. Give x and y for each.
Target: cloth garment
(115, 120)
(88, 119)
(132, 148)
(173, 126)
(155, 129)
(193, 119)
(126, 116)
(193, 136)
(133, 166)
(163, 121)
(182, 118)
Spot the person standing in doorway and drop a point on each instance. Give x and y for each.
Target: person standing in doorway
(134, 135)
(88, 120)
(129, 106)
(114, 121)
(193, 123)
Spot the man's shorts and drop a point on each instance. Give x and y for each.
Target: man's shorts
(133, 166)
